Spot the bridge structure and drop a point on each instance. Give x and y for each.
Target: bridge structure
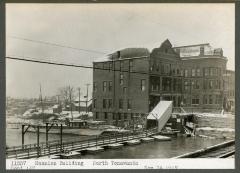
(48, 148)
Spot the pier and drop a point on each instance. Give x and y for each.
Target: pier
(59, 147)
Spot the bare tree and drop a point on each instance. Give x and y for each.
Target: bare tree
(64, 95)
(67, 95)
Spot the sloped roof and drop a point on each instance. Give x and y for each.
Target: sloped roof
(159, 110)
(166, 48)
(83, 103)
(124, 53)
(193, 45)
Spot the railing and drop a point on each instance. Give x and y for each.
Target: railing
(53, 147)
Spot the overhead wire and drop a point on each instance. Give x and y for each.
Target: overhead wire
(57, 45)
(87, 67)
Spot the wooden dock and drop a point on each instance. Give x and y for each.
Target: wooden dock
(133, 142)
(115, 146)
(161, 138)
(70, 155)
(94, 150)
(147, 139)
(51, 148)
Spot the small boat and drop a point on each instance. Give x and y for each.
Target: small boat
(115, 131)
(169, 132)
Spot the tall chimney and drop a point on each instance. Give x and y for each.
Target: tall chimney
(118, 54)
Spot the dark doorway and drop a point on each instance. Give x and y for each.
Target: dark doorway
(151, 124)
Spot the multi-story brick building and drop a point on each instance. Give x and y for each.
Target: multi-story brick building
(229, 88)
(129, 83)
(203, 77)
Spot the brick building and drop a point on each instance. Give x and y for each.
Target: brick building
(127, 84)
(229, 85)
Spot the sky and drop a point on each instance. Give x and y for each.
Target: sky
(104, 28)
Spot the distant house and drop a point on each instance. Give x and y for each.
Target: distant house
(57, 109)
(85, 106)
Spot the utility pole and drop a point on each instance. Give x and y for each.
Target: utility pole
(41, 102)
(87, 98)
(58, 100)
(59, 108)
(70, 99)
(79, 94)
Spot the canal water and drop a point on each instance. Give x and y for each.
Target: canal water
(154, 150)
(14, 137)
(164, 149)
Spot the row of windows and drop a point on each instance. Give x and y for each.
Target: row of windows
(108, 103)
(166, 85)
(169, 84)
(210, 71)
(212, 84)
(128, 104)
(195, 84)
(231, 93)
(143, 82)
(119, 116)
(163, 68)
(207, 84)
(108, 86)
(114, 65)
(207, 99)
(195, 72)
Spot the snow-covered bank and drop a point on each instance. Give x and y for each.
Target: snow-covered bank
(215, 125)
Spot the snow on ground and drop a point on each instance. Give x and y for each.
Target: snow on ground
(215, 125)
(75, 114)
(216, 129)
(225, 115)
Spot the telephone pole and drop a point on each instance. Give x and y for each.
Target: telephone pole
(70, 99)
(79, 94)
(41, 100)
(87, 98)
(58, 100)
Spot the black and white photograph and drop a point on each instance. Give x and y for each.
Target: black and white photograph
(120, 86)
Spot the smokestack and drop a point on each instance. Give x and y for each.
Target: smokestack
(118, 54)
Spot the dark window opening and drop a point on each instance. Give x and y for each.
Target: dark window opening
(120, 103)
(104, 86)
(104, 103)
(105, 115)
(110, 86)
(129, 104)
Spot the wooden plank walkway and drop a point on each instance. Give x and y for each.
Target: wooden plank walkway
(55, 147)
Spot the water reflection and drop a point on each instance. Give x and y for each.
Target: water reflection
(164, 149)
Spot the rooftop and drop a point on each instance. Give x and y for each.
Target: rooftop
(198, 50)
(124, 54)
(193, 45)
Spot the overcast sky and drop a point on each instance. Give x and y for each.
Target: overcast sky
(104, 28)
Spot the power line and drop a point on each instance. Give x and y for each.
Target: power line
(69, 65)
(90, 67)
(57, 45)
